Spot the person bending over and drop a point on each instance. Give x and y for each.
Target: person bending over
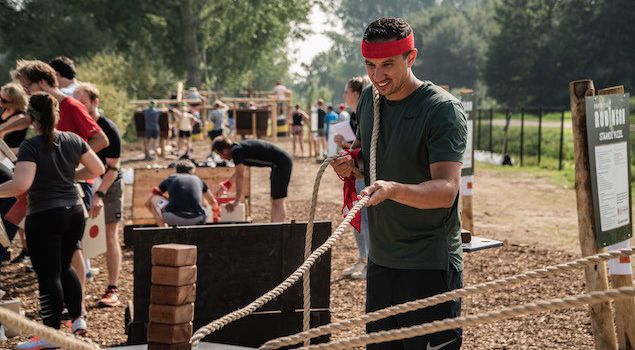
(260, 154)
(184, 205)
(55, 218)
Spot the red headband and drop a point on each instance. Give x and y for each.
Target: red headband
(388, 48)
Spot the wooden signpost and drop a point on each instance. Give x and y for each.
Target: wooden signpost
(602, 173)
(620, 270)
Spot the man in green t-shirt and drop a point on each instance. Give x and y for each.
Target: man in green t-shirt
(415, 240)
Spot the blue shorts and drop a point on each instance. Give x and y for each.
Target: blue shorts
(152, 133)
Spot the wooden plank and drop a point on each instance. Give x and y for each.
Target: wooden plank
(146, 179)
(596, 275)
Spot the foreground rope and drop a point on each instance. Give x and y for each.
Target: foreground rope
(308, 244)
(487, 317)
(440, 298)
(13, 320)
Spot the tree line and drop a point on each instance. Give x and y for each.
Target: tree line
(516, 52)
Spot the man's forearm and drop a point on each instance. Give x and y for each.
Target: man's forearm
(433, 194)
(98, 141)
(107, 180)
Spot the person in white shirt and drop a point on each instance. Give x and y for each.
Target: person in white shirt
(280, 94)
(185, 122)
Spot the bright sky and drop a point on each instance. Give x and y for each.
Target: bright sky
(303, 51)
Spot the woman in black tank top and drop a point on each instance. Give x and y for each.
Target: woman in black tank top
(297, 124)
(13, 101)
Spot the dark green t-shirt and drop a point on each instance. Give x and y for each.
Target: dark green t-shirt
(426, 127)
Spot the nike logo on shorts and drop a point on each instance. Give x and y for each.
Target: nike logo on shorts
(428, 347)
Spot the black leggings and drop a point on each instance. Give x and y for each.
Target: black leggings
(52, 237)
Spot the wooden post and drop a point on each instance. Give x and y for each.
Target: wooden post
(274, 121)
(254, 130)
(596, 276)
(467, 217)
(624, 309)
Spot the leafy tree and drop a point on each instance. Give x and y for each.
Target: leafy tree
(451, 39)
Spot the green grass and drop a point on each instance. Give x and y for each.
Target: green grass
(550, 147)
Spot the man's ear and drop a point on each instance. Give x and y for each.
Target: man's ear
(412, 56)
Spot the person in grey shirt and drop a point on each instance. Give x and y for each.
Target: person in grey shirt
(217, 117)
(151, 116)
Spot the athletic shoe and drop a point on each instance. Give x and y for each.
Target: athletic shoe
(22, 257)
(35, 343)
(92, 272)
(358, 266)
(110, 298)
(79, 327)
(360, 274)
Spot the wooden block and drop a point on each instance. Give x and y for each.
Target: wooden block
(179, 346)
(171, 295)
(174, 255)
(169, 333)
(173, 276)
(171, 314)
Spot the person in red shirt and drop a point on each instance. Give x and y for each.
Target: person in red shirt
(35, 76)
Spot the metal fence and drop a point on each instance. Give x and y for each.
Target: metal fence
(526, 134)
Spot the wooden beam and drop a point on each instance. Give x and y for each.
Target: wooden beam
(596, 275)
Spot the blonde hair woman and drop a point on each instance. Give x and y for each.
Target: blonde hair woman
(13, 101)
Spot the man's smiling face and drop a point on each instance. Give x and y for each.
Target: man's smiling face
(389, 75)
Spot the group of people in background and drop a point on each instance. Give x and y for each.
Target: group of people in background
(67, 169)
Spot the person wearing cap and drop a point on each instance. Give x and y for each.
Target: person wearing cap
(187, 195)
(344, 116)
(415, 240)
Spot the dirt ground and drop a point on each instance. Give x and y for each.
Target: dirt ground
(535, 218)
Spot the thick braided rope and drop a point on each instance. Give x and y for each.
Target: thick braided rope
(486, 317)
(308, 242)
(238, 314)
(15, 321)
(440, 298)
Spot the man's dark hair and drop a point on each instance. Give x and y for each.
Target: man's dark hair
(329, 108)
(63, 65)
(185, 166)
(387, 29)
(221, 143)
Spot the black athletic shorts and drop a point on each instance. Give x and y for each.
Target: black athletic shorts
(214, 133)
(280, 176)
(387, 287)
(184, 134)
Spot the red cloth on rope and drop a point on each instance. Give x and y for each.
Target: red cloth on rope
(388, 48)
(350, 193)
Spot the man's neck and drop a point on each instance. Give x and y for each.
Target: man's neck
(95, 114)
(55, 92)
(64, 82)
(411, 84)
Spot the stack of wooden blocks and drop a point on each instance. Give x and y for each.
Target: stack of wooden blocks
(172, 297)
